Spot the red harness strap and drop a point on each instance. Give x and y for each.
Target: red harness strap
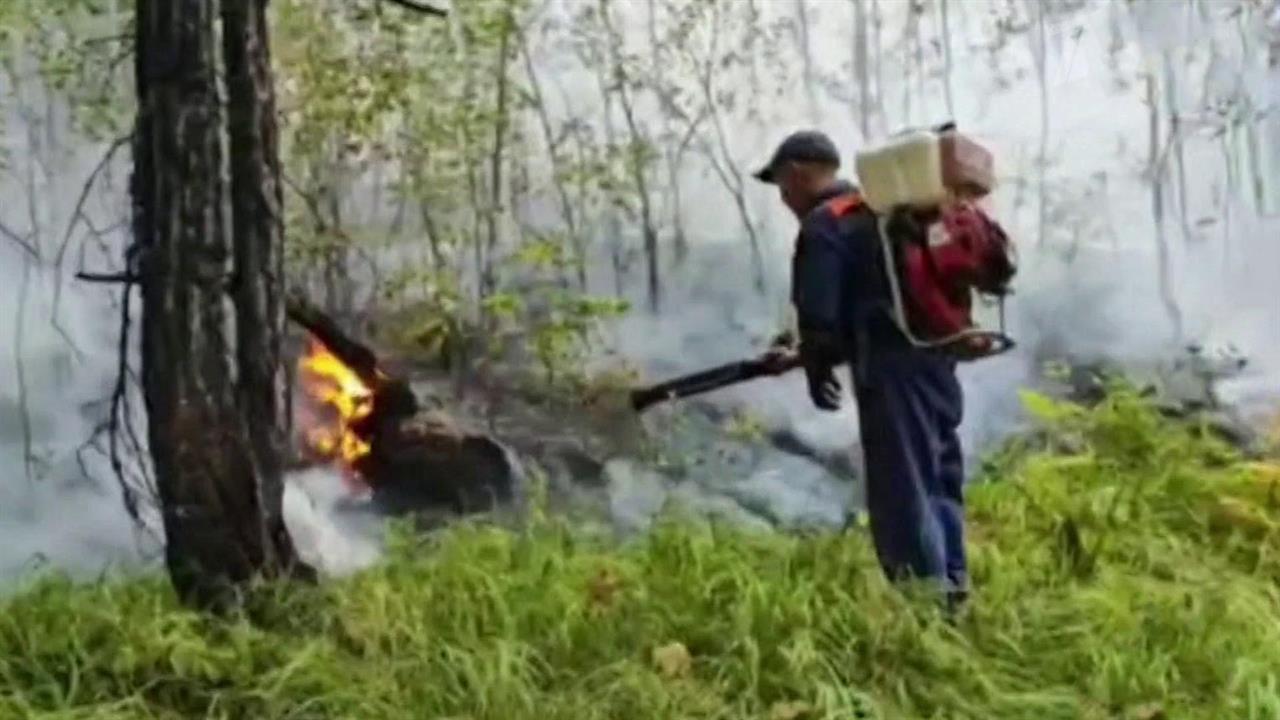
(842, 205)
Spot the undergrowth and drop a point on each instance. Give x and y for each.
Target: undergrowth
(1134, 576)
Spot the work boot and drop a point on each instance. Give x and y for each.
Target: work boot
(956, 604)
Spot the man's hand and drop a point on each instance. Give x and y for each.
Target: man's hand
(782, 355)
(824, 388)
(780, 358)
(819, 352)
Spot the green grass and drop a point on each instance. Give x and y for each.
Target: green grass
(1134, 578)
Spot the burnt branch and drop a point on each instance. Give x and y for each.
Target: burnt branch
(350, 351)
(393, 398)
(78, 214)
(118, 428)
(119, 405)
(122, 278)
(420, 7)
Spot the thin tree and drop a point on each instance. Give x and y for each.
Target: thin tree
(944, 22)
(673, 150)
(587, 45)
(1155, 162)
(806, 56)
(638, 151)
(1040, 52)
(877, 25)
(496, 156)
(861, 68)
(717, 150)
(567, 211)
(1175, 139)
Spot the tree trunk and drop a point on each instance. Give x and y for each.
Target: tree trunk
(672, 155)
(636, 160)
(222, 524)
(488, 278)
(1175, 137)
(1041, 53)
(1163, 270)
(257, 223)
(721, 156)
(862, 69)
(806, 57)
(616, 247)
(577, 243)
(877, 24)
(944, 20)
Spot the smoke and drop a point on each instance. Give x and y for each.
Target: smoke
(1083, 216)
(332, 541)
(1088, 285)
(58, 502)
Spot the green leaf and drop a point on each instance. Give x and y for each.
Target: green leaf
(1046, 409)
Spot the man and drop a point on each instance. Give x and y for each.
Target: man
(909, 400)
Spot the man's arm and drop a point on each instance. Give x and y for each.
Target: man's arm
(819, 294)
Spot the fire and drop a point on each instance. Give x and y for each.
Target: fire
(338, 399)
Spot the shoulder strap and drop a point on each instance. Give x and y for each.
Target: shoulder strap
(844, 204)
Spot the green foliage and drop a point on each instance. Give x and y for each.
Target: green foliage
(78, 49)
(746, 427)
(434, 323)
(561, 338)
(1135, 578)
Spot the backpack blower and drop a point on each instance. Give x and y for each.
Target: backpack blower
(939, 248)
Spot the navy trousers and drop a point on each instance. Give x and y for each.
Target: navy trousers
(910, 405)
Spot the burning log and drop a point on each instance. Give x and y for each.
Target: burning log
(370, 424)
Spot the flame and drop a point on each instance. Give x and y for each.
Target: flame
(338, 399)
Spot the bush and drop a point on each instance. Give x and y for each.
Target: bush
(1132, 578)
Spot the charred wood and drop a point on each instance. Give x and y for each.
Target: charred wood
(418, 462)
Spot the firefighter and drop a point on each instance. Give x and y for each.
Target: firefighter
(908, 400)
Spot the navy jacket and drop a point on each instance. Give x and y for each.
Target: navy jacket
(838, 284)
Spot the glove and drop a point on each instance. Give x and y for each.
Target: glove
(782, 353)
(819, 355)
(824, 388)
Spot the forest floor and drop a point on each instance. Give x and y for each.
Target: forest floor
(1126, 567)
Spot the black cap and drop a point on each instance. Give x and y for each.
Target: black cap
(802, 146)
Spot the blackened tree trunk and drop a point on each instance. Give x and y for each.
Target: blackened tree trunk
(221, 521)
(257, 222)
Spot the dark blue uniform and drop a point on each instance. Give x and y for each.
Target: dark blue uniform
(909, 400)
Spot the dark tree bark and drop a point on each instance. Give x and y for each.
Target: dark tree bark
(257, 217)
(213, 436)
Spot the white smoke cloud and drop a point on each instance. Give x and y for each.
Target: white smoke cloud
(331, 541)
(1091, 289)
